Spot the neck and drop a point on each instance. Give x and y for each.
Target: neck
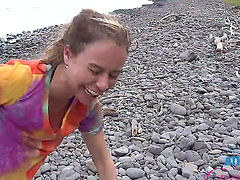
(58, 87)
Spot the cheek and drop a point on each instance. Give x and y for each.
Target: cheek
(75, 83)
(112, 82)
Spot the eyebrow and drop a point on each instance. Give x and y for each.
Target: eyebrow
(94, 65)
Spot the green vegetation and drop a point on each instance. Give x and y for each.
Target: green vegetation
(235, 2)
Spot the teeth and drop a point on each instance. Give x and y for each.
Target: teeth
(90, 92)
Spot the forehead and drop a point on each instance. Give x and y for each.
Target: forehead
(104, 54)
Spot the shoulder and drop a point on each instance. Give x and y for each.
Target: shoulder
(93, 122)
(16, 77)
(36, 66)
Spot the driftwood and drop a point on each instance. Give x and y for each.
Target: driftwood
(238, 74)
(170, 15)
(110, 112)
(219, 42)
(119, 96)
(136, 128)
(161, 109)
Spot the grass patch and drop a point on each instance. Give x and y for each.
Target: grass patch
(235, 2)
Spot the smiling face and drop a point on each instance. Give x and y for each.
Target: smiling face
(94, 70)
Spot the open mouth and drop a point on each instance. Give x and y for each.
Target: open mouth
(91, 93)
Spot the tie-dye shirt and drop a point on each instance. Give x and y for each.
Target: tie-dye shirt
(24, 91)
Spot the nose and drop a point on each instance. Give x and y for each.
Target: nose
(103, 83)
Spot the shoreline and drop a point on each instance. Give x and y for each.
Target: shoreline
(26, 21)
(183, 93)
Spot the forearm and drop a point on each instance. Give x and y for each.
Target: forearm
(100, 155)
(106, 169)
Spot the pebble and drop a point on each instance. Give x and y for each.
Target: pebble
(178, 109)
(122, 151)
(45, 168)
(135, 173)
(155, 149)
(68, 173)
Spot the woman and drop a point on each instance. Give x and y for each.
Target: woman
(43, 101)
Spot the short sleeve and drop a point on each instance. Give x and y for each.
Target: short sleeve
(93, 122)
(14, 82)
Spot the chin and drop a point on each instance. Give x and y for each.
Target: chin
(87, 100)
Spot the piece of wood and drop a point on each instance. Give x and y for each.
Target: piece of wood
(136, 128)
(110, 112)
(218, 42)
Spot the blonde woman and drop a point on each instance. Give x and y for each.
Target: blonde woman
(42, 101)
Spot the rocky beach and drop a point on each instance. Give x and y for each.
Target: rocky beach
(175, 111)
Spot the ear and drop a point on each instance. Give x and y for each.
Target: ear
(67, 54)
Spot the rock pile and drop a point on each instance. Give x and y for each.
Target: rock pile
(184, 94)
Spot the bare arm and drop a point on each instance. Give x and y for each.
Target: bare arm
(101, 157)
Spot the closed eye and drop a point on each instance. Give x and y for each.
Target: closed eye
(114, 74)
(94, 71)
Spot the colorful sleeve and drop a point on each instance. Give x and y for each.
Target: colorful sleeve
(93, 122)
(14, 82)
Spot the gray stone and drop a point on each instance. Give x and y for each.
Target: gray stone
(231, 122)
(155, 149)
(215, 152)
(149, 97)
(179, 177)
(90, 165)
(172, 162)
(189, 170)
(192, 177)
(53, 176)
(192, 156)
(199, 145)
(203, 127)
(235, 133)
(125, 178)
(125, 159)
(173, 172)
(139, 157)
(122, 151)
(135, 173)
(92, 178)
(188, 56)
(68, 173)
(155, 137)
(226, 93)
(235, 173)
(122, 171)
(201, 90)
(163, 170)
(222, 159)
(185, 143)
(180, 155)
(127, 165)
(178, 109)
(45, 168)
(168, 152)
(160, 96)
(229, 140)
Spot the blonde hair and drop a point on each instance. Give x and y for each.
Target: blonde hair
(87, 27)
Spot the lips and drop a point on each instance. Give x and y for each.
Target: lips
(91, 93)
